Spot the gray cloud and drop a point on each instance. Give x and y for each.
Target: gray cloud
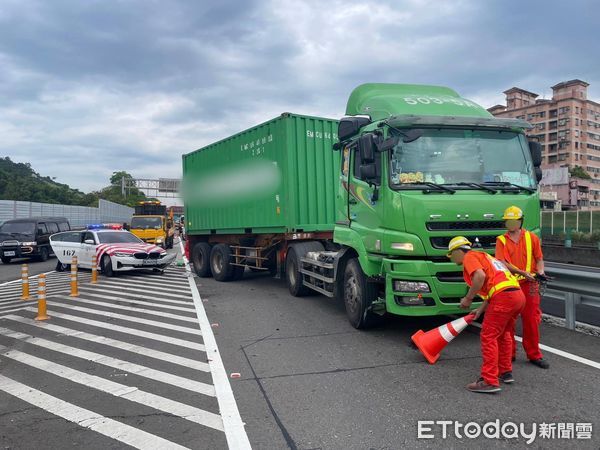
(87, 88)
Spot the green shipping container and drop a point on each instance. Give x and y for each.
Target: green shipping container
(279, 176)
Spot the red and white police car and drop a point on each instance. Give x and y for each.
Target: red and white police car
(116, 250)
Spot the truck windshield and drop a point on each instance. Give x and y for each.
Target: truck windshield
(450, 156)
(146, 223)
(14, 228)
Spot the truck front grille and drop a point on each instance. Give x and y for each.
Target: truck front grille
(450, 277)
(441, 242)
(470, 225)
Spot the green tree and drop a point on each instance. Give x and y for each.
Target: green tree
(579, 172)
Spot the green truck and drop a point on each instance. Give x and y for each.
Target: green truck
(362, 209)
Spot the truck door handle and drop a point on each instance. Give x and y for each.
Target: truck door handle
(352, 201)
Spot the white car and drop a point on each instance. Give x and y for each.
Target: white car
(116, 250)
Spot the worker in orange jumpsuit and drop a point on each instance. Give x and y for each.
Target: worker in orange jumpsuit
(521, 251)
(491, 280)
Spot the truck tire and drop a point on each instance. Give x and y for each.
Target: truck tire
(359, 294)
(220, 258)
(238, 273)
(293, 277)
(201, 259)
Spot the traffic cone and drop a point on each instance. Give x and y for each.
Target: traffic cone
(433, 342)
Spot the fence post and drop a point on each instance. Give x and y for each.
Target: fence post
(552, 222)
(94, 269)
(42, 313)
(74, 288)
(591, 217)
(564, 221)
(25, 282)
(577, 220)
(570, 310)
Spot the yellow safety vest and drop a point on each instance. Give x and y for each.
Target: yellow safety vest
(502, 280)
(528, 250)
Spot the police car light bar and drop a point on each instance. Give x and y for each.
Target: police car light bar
(105, 226)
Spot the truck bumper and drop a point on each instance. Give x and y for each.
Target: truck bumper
(446, 288)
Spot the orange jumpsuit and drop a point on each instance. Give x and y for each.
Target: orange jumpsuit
(524, 255)
(506, 301)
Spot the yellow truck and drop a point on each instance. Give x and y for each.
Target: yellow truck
(152, 225)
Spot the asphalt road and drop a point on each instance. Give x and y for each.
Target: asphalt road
(130, 362)
(122, 365)
(309, 380)
(12, 271)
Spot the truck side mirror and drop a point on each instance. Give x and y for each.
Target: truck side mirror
(388, 144)
(535, 148)
(366, 148)
(368, 172)
(538, 174)
(350, 126)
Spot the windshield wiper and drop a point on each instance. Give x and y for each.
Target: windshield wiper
(436, 186)
(506, 184)
(477, 185)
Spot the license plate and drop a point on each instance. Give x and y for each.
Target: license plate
(149, 262)
(9, 254)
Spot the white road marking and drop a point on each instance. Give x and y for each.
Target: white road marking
(188, 309)
(137, 369)
(237, 439)
(86, 418)
(133, 394)
(13, 310)
(124, 298)
(556, 351)
(122, 345)
(165, 281)
(166, 286)
(126, 330)
(143, 291)
(151, 312)
(106, 314)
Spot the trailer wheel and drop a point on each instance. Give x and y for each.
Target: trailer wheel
(359, 294)
(201, 259)
(220, 258)
(293, 277)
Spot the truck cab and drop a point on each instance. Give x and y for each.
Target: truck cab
(151, 224)
(419, 166)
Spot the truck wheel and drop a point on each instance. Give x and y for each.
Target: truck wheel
(293, 277)
(201, 259)
(358, 296)
(238, 272)
(220, 266)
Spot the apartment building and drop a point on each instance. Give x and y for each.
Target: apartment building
(568, 127)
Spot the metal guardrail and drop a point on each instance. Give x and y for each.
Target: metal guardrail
(575, 287)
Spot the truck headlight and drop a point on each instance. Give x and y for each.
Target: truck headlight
(411, 286)
(29, 244)
(159, 240)
(406, 246)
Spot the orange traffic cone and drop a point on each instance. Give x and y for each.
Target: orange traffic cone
(434, 341)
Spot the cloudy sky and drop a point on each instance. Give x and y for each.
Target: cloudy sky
(91, 87)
